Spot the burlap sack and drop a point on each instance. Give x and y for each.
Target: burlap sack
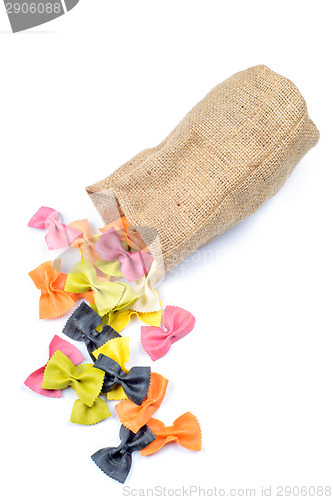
(230, 153)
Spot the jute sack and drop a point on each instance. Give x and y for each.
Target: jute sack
(231, 152)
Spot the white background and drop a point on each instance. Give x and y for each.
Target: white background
(79, 97)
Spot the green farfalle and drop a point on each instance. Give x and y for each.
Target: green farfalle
(85, 415)
(128, 300)
(110, 267)
(86, 380)
(107, 294)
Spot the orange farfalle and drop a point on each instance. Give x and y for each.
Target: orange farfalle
(133, 416)
(54, 301)
(127, 233)
(185, 431)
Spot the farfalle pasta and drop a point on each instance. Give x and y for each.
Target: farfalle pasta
(135, 382)
(133, 416)
(35, 379)
(149, 299)
(119, 319)
(146, 306)
(82, 324)
(133, 264)
(111, 268)
(54, 301)
(107, 294)
(177, 323)
(118, 350)
(128, 300)
(59, 235)
(116, 462)
(87, 382)
(185, 431)
(108, 262)
(60, 283)
(89, 415)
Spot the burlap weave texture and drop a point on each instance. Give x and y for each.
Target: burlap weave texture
(231, 152)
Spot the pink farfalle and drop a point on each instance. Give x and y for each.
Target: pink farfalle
(134, 265)
(59, 235)
(34, 381)
(177, 323)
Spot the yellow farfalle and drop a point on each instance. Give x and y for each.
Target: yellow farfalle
(120, 316)
(118, 320)
(118, 350)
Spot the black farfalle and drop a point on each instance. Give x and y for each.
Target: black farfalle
(135, 382)
(116, 461)
(82, 324)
